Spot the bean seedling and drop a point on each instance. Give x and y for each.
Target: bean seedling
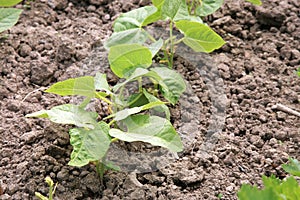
(131, 58)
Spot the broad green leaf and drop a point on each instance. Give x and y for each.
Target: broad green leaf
(89, 145)
(171, 83)
(137, 36)
(156, 46)
(161, 108)
(199, 37)
(68, 114)
(101, 82)
(7, 3)
(255, 2)
(293, 167)
(289, 189)
(83, 86)
(8, 18)
(152, 129)
(175, 9)
(138, 72)
(133, 19)
(208, 7)
(123, 114)
(125, 58)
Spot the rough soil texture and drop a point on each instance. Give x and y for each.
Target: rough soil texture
(52, 41)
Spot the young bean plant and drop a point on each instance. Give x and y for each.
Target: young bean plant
(8, 16)
(131, 53)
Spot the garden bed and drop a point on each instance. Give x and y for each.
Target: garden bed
(56, 40)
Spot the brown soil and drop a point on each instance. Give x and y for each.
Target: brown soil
(53, 40)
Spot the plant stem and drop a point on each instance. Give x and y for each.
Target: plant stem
(100, 170)
(103, 98)
(172, 46)
(140, 81)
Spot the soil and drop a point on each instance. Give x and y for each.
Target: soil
(55, 40)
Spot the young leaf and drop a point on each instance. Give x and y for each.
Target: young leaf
(8, 3)
(293, 167)
(171, 83)
(125, 58)
(156, 46)
(133, 19)
(298, 71)
(199, 37)
(161, 108)
(101, 83)
(208, 7)
(175, 9)
(131, 36)
(89, 145)
(255, 2)
(152, 129)
(68, 114)
(8, 18)
(83, 86)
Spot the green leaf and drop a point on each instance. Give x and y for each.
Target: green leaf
(171, 83)
(8, 18)
(7, 3)
(152, 129)
(101, 83)
(161, 108)
(68, 114)
(156, 46)
(138, 72)
(298, 71)
(208, 7)
(131, 36)
(175, 9)
(133, 19)
(255, 2)
(89, 145)
(123, 114)
(293, 167)
(83, 86)
(199, 37)
(125, 58)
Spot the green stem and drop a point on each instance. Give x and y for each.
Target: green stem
(135, 100)
(103, 98)
(140, 82)
(100, 170)
(51, 192)
(172, 46)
